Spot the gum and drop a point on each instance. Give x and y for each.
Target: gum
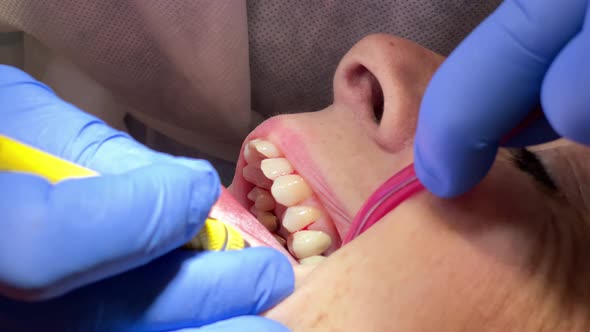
(231, 212)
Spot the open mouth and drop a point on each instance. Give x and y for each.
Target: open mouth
(279, 187)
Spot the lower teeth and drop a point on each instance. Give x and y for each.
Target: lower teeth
(312, 260)
(269, 221)
(281, 240)
(299, 217)
(304, 244)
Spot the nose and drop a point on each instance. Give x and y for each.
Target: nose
(382, 79)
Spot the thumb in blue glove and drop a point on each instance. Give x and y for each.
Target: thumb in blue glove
(526, 51)
(59, 237)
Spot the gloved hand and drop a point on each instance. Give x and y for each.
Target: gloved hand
(527, 51)
(182, 289)
(56, 238)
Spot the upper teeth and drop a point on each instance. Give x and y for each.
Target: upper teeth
(299, 217)
(304, 244)
(268, 169)
(252, 158)
(265, 148)
(269, 220)
(290, 190)
(275, 167)
(262, 199)
(254, 175)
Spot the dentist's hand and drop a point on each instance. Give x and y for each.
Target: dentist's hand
(55, 239)
(218, 291)
(526, 51)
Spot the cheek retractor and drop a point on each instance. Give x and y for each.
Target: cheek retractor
(405, 184)
(392, 193)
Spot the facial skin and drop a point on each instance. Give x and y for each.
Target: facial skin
(512, 255)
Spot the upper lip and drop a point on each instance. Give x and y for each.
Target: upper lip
(301, 163)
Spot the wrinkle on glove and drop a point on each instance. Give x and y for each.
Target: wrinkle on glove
(527, 51)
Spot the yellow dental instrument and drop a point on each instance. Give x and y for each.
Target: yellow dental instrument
(19, 157)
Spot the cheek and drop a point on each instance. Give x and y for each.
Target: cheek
(464, 259)
(504, 215)
(342, 155)
(408, 273)
(346, 154)
(433, 265)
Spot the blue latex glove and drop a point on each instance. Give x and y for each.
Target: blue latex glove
(179, 290)
(55, 239)
(527, 51)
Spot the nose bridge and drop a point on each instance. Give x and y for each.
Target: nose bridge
(401, 72)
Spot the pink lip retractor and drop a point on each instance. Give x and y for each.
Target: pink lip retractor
(393, 192)
(403, 185)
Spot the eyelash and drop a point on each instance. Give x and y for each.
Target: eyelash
(530, 163)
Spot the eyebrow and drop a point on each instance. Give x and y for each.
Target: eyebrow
(530, 163)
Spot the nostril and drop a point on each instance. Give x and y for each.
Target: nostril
(366, 86)
(377, 99)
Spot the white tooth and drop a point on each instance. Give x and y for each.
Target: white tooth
(250, 154)
(298, 217)
(262, 199)
(290, 190)
(269, 220)
(275, 167)
(281, 240)
(312, 260)
(254, 175)
(266, 148)
(305, 244)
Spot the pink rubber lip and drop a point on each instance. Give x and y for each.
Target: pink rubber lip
(404, 185)
(387, 197)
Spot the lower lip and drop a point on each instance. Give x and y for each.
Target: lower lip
(228, 210)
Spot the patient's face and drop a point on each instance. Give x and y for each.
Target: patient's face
(510, 255)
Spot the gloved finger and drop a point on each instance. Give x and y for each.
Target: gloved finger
(565, 93)
(531, 133)
(33, 114)
(182, 289)
(486, 87)
(239, 324)
(56, 238)
(220, 285)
